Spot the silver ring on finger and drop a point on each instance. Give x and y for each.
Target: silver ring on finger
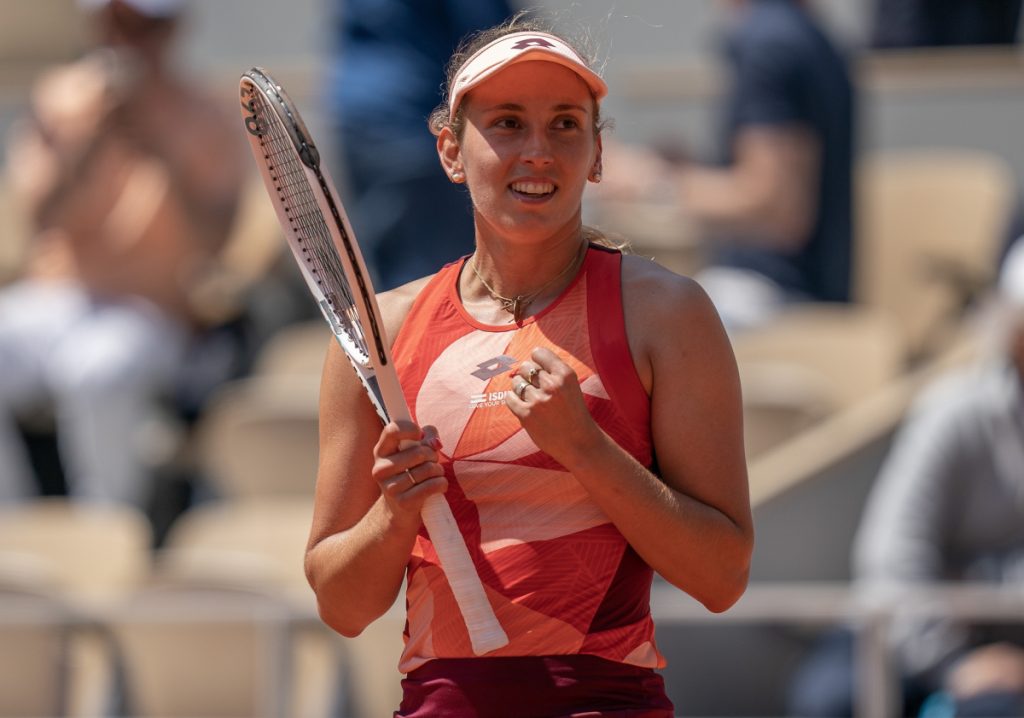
(530, 375)
(520, 390)
(412, 479)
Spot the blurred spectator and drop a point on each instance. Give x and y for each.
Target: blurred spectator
(387, 77)
(775, 213)
(779, 210)
(948, 506)
(131, 179)
(937, 23)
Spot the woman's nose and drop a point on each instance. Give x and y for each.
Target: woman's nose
(537, 148)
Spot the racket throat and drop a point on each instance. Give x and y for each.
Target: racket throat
(326, 308)
(377, 398)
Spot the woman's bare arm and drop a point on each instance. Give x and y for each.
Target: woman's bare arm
(366, 513)
(692, 521)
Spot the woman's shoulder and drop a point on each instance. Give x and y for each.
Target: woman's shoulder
(665, 311)
(395, 304)
(649, 284)
(672, 327)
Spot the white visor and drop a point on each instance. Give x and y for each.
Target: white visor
(519, 47)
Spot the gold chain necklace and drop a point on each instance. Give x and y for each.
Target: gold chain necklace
(517, 305)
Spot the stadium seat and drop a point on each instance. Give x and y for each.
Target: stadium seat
(297, 349)
(930, 226)
(33, 651)
(203, 652)
(93, 551)
(259, 542)
(813, 360)
(258, 436)
(258, 539)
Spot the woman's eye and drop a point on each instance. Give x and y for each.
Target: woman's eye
(566, 123)
(507, 123)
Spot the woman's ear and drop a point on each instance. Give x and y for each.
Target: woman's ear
(596, 168)
(450, 155)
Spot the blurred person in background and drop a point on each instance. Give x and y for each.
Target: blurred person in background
(775, 212)
(386, 79)
(778, 211)
(948, 505)
(130, 178)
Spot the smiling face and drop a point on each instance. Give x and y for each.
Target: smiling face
(528, 147)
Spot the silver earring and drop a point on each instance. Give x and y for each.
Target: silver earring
(457, 176)
(596, 176)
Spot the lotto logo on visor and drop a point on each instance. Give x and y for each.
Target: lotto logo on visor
(520, 47)
(532, 42)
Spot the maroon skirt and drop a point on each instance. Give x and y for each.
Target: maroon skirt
(574, 686)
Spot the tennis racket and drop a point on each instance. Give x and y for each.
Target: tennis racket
(319, 235)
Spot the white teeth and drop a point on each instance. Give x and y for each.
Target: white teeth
(533, 187)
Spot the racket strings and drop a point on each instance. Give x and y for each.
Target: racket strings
(307, 222)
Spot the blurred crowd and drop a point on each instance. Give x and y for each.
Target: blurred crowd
(123, 322)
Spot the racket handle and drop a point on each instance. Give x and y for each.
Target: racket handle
(485, 632)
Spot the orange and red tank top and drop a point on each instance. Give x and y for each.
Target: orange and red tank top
(560, 576)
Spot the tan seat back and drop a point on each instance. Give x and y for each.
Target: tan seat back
(298, 349)
(259, 436)
(214, 653)
(262, 539)
(813, 360)
(930, 224)
(90, 550)
(33, 653)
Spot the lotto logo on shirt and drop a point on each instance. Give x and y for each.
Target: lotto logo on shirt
(488, 399)
(488, 370)
(492, 367)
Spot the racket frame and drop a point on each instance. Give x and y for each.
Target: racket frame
(381, 385)
(374, 368)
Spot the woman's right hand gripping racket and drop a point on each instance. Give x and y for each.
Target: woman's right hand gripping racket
(324, 246)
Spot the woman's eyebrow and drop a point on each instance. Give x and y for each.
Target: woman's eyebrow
(568, 107)
(515, 107)
(507, 106)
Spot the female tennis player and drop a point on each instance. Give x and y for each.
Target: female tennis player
(579, 408)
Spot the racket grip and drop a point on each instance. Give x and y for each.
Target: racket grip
(485, 632)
